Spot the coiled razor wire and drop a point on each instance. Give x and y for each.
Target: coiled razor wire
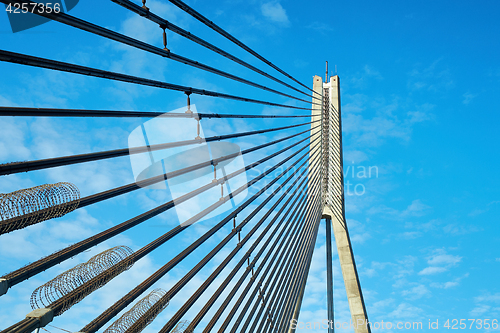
(29, 206)
(136, 314)
(86, 277)
(182, 327)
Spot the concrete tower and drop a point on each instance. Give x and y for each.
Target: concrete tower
(328, 111)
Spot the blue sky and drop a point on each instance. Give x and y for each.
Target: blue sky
(419, 87)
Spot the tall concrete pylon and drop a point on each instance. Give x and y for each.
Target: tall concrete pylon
(333, 191)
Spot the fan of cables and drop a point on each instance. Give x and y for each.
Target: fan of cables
(29, 206)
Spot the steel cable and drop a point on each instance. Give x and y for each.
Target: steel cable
(53, 112)
(221, 31)
(27, 60)
(57, 257)
(172, 27)
(112, 35)
(125, 300)
(273, 262)
(240, 281)
(17, 167)
(315, 181)
(212, 277)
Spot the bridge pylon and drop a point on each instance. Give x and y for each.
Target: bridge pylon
(332, 193)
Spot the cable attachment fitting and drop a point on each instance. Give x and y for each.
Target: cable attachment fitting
(215, 172)
(144, 5)
(188, 93)
(164, 37)
(221, 192)
(248, 261)
(198, 137)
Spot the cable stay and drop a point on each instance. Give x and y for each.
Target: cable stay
(27, 60)
(224, 33)
(174, 28)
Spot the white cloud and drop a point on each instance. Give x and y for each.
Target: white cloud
(31, 242)
(440, 262)
(449, 284)
(411, 234)
(468, 97)
(377, 267)
(354, 156)
(405, 310)
(357, 231)
(486, 305)
(416, 292)
(386, 124)
(371, 72)
(13, 137)
(364, 77)
(433, 78)
(460, 229)
(476, 212)
(275, 12)
(322, 27)
(488, 298)
(479, 310)
(444, 259)
(432, 270)
(415, 209)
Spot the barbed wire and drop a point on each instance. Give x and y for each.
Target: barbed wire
(29, 206)
(182, 327)
(114, 260)
(136, 314)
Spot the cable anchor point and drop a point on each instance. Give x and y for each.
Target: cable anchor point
(188, 93)
(164, 38)
(215, 172)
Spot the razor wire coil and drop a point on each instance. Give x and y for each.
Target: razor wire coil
(181, 327)
(86, 277)
(136, 314)
(26, 207)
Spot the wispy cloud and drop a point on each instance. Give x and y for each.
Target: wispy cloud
(274, 12)
(440, 262)
(362, 78)
(405, 310)
(321, 27)
(389, 121)
(468, 97)
(434, 78)
(460, 229)
(415, 209)
(449, 284)
(488, 298)
(486, 303)
(432, 270)
(416, 292)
